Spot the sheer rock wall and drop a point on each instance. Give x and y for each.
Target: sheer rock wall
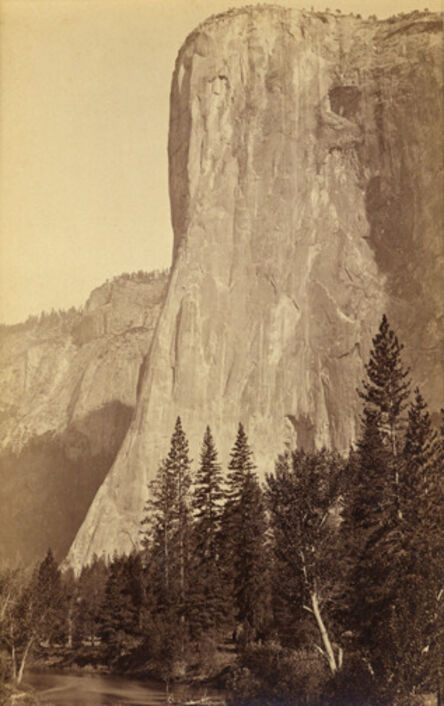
(306, 185)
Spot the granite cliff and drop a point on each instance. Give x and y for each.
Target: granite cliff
(69, 384)
(306, 185)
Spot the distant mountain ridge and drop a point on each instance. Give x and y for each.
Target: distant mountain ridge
(69, 384)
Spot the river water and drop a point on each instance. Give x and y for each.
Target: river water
(54, 689)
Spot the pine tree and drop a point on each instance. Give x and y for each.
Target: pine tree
(387, 386)
(47, 598)
(389, 515)
(91, 591)
(240, 467)
(244, 527)
(207, 500)
(208, 604)
(384, 394)
(70, 599)
(166, 540)
(178, 465)
(159, 520)
(421, 457)
(120, 626)
(418, 600)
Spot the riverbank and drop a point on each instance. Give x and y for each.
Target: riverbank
(55, 673)
(61, 689)
(209, 670)
(60, 676)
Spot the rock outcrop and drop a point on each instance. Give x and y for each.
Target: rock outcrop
(69, 385)
(306, 184)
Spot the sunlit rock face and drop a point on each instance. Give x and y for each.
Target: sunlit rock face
(69, 386)
(306, 188)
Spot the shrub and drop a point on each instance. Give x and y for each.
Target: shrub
(270, 675)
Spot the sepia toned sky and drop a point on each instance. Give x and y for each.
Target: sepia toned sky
(84, 122)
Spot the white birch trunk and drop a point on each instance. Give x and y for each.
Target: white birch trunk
(23, 662)
(324, 634)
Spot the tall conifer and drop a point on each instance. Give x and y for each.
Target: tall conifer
(159, 531)
(47, 597)
(386, 388)
(207, 602)
(122, 605)
(388, 528)
(244, 528)
(419, 597)
(207, 500)
(166, 540)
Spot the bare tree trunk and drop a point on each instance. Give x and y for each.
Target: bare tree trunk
(23, 662)
(182, 590)
(69, 620)
(5, 606)
(167, 560)
(324, 634)
(394, 445)
(395, 453)
(181, 518)
(13, 663)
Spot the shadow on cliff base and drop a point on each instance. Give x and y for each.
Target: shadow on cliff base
(46, 489)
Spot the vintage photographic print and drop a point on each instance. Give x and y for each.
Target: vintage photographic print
(221, 353)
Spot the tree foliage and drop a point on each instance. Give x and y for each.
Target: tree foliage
(121, 611)
(208, 599)
(329, 581)
(386, 388)
(392, 579)
(304, 498)
(166, 540)
(244, 527)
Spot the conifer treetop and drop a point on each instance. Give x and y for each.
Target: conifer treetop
(208, 480)
(421, 439)
(241, 453)
(241, 466)
(387, 386)
(422, 453)
(178, 455)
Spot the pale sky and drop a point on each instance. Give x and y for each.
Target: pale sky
(84, 123)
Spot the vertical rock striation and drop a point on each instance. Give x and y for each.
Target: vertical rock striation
(306, 188)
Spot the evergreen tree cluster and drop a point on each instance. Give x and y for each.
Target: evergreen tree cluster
(204, 546)
(325, 584)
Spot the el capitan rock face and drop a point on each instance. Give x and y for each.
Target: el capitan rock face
(69, 385)
(306, 185)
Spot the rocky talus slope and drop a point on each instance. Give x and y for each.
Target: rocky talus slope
(69, 384)
(306, 184)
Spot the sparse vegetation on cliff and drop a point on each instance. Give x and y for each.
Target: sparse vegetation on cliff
(66, 319)
(59, 319)
(140, 276)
